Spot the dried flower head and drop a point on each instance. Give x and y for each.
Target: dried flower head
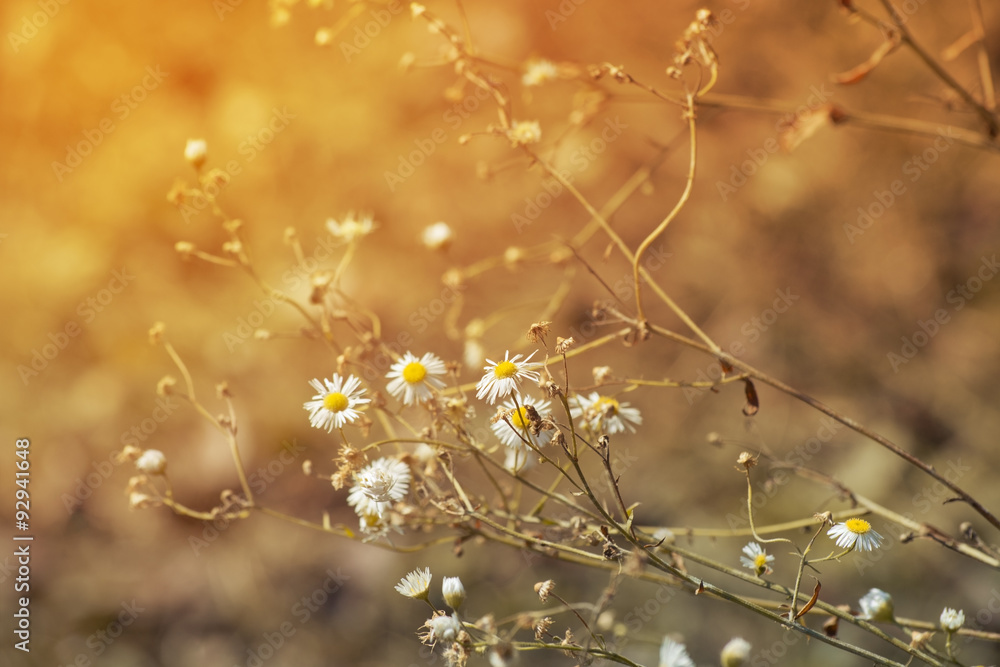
(544, 589)
(746, 460)
(538, 331)
(563, 345)
(352, 228)
(524, 133)
(379, 485)
(537, 72)
(520, 423)
(441, 627)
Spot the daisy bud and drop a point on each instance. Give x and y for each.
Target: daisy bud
(877, 605)
(453, 591)
(952, 620)
(195, 152)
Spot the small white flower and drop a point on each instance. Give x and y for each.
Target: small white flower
(415, 584)
(876, 605)
(855, 533)
(501, 378)
(352, 228)
(437, 236)
(735, 653)
(605, 414)
(379, 485)
(517, 431)
(453, 591)
(195, 152)
(756, 559)
(673, 654)
(152, 462)
(412, 379)
(952, 620)
(538, 72)
(441, 628)
(334, 404)
(524, 132)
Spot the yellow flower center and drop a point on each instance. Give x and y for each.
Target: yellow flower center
(414, 372)
(520, 418)
(760, 561)
(607, 406)
(504, 370)
(858, 526)
(335, 402)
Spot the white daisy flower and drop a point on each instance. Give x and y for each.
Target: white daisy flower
(952, 620)
(855, 533)
(538, 72)
(735, 653)
(501, 378)
(674, 654)
(524, 132)
(415, 584)
(756, 559)
(516, 432)
(437, 236)
(335, 402)
(876, 605)
(605, 414)
(353, 227)
(379, 485)
(412, 379)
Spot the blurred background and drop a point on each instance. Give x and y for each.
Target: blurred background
(99, 100)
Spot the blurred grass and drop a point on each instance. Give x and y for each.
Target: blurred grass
(782, 230)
